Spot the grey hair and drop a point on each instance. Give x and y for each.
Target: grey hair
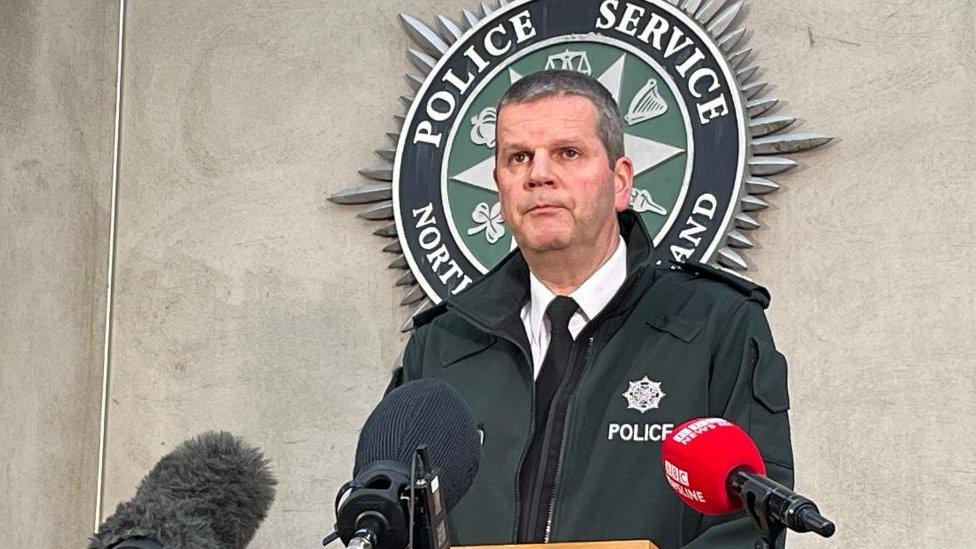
(550, 83)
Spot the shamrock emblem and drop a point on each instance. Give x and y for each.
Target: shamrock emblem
(483, 128)
(488, 220)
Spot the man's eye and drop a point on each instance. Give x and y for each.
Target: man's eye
(571, 153)
(519, 158)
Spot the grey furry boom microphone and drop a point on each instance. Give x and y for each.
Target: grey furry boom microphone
(211, 492)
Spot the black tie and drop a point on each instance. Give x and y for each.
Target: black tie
(554, 369)
(556, 363)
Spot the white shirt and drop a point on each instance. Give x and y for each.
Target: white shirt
(592, 296)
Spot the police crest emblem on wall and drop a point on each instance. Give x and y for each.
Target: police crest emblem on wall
(700, 127)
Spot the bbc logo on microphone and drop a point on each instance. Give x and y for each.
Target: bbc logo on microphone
(680, 483)
(675, 473)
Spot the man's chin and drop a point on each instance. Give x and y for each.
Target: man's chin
(541, 244)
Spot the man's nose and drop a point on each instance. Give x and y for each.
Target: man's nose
(541, 173)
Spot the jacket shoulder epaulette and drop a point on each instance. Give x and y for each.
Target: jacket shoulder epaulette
(425, 317)
(749, 289)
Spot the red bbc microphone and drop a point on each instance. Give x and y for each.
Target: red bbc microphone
(714, 466)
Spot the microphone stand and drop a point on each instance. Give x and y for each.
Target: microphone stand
(756, 500)
(774, 508)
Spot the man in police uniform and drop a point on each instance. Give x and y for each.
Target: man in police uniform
(577, 356)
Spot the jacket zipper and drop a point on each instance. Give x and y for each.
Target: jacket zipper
(518, 469)
(562, 447)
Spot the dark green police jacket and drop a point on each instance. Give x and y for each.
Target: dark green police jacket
(699, 332)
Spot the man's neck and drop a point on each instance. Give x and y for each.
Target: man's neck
(563, 272)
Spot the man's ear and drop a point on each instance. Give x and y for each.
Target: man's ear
(623, 182)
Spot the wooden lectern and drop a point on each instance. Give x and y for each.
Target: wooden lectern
(629, 544)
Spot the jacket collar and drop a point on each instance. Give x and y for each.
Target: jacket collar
(497, 298)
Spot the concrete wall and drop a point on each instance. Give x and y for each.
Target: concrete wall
(246, 302)
(870, 255)
(57, 103)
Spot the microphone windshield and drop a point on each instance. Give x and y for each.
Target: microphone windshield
(426, 411)
(698, 457)
(211, 492)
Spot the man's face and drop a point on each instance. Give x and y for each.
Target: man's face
(554, 179)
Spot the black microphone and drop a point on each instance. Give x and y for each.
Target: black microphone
(424, 424)
(784, 505)
(210, 492)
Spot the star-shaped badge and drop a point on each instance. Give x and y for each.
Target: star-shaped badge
(643, 395)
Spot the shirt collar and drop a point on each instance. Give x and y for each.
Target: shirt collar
(592, 296)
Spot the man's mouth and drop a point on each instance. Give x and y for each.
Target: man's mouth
(544, 208)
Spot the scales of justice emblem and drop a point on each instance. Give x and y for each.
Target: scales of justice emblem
(700, 126)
